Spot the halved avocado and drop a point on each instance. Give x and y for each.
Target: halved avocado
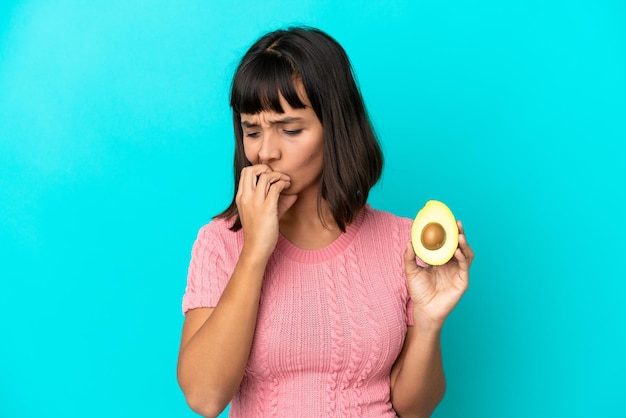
(434, 234)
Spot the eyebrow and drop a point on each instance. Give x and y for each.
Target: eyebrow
(285, 120)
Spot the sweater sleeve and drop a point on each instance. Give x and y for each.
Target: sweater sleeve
(207, 275)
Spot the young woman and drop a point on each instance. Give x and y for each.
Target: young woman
(302, 300)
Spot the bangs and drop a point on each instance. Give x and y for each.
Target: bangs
(260, 82)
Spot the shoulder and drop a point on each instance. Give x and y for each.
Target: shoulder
(217, 233)
(384, 219)
(384, 228)
(216, 227)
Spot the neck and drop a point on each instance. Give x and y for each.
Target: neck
(305, 212)
(302, 226)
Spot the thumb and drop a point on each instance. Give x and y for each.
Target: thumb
(411, 267)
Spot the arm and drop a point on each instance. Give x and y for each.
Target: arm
(417, 378)
(216, 342)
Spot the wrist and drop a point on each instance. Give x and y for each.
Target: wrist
(426, 325)
(252, 262)
(254, 255)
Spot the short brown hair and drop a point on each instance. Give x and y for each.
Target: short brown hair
(353, 159)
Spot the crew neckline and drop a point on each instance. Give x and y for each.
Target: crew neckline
(325, 253)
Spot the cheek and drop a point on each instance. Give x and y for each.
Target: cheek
(312, 160)
(250, 154)
(311, 163)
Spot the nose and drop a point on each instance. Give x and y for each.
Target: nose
(270, 147)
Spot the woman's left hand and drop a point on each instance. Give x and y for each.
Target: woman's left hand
(435, 290)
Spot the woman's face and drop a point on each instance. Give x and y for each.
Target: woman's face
(290, 142)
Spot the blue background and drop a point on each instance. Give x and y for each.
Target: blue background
(115, 147)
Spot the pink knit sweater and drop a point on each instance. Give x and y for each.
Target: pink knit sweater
(331, 322)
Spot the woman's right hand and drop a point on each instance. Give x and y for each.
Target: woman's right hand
(260, 206)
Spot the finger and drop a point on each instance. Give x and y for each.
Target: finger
(265, 182)
(463, 244)
(248, 181)
(462, 276)
(275, 189)
(462, 260)
(250, 175)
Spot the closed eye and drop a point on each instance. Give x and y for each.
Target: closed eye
(252, 134)
(292, 132)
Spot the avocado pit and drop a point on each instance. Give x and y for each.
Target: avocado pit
(433, 236)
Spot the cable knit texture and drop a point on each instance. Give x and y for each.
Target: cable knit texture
(331, 322)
